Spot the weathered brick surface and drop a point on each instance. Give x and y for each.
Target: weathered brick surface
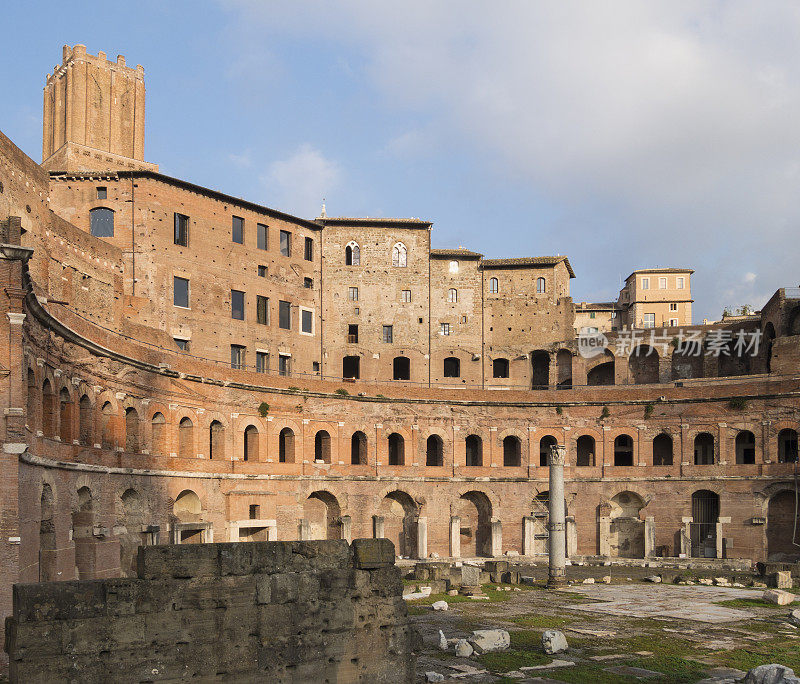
(294, 612)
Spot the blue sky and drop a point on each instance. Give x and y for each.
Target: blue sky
(624, 134)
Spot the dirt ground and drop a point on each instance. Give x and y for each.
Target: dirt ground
(626, 631)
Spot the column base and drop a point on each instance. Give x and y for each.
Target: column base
(557, 581)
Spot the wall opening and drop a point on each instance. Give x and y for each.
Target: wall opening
(358, 448)
(474, 447)
(704, 449)
(286, 446)
(322, 447)
(544, 449)
(397, 449)
(512, 451)
(662, 450)
(401, 368)
(540, 370)
(623, 451)
(745, 447)
(250, 446)
(585, 451)
(434, 451)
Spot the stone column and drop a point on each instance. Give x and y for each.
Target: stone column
(303, 529)
(497, 538)
(528, 522)
(605, 536)
(720, 541)
(686, 538)
(649, 537)
(455, 536)
(422, 538)
(556, 529)
(347, 528)
(377, 526)
(572, 537)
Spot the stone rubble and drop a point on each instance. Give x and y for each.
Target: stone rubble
(554, 641)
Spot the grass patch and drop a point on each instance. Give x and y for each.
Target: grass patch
(488, 589)
(512, 659)
(754, 603)
(542, 621)
(777, 650)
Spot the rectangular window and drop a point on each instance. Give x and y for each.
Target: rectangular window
(262, 239)
(405, 296)
(262, 271)
(286, 243)
(181, 236)
(262, 310)
(306, 321)
(352, 294)
(352, 334)
(102, 193)
(645, 283)
(673, 306)
(388, 335)
(180, 292)
(308, 283)
(237, 305)
(309, 250)
(315, 366)
(591, 314)
(649, 320)
(662, 283)
(673, 322)
(237, 230)
(680, 283)
(444, 328)
(284, 364)
(285, 315)
(182, 344)
(262, 362)
(237, 356)
(463, 319)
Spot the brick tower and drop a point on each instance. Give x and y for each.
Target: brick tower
(93, 114)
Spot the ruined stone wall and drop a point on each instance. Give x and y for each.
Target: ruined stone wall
(276, 611)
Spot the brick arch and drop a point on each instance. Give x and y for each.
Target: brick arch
(422, 443)
(107, 396)
(764, 494)
(479, 487)
(519, 433)
(418, 498)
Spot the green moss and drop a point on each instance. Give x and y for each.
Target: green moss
(263, 409)
(543, 621)
(755, 603)
(343, 392)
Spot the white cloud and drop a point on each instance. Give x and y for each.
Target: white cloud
(299, 183)
(243, 160)
(678, 118)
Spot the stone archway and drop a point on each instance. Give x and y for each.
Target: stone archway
(322, 513)
(783, 540)
(627, 529)
(400, 515)
(475, 511)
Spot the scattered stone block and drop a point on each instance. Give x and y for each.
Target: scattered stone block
(627, 671)
(781, 579)
(442, 641)
(526, 580)
(759, 585)
(722, 582)
(372, 553)
(705, 581)
(794, 616)
(434, 677)
(440, 605)
(778, 597)
(452, 592)
(656, 579)
(771, 674)
(488, 640)
(470, 575)
(549, 666)
(464, 649)
(589, 580)
(606, 579)
(608, 656)
(554, 641)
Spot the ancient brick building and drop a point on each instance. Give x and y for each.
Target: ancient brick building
(186, 366)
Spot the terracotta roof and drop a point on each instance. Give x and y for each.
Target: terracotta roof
(529, 262)
(660, 270)
(367, 221)
(460, 252)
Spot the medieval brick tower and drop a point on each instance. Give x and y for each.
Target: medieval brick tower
(93, 114)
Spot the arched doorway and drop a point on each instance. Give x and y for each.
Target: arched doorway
(745, 447)
(687, 361)
(358, 448)
(250, 446)
(512, 451)
(322, 447)
(643, 364)
(627, 529)
(783, 539)
(662, 450)
(401, 368)
(397, 449)
(131, 430)
(585, 448)
(351, 367)
(130, 518)
(564, 367)
(623, 450)
(400, 516)
(475, 511)
(322, 513)
(434, 451)
(544, 449)
(83, 534)
(540, 369)
(286, 446)
(787, 446)
(704, 449)
(602, 372)
(216, 440)
(474, 450)
(705, 514)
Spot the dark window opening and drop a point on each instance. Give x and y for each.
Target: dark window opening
(434, 451)
(262, 236)
(623, 451)
(358, 449)
(237, 356)
(285, 315)
(237, 229)
(284, 365)
(308, 253)
(452, 367)
(102, 193)
(474, 446)
(102, 222)
(500, 368)
(181, 233)
(286, 243)
(262, 309)
(351, 367)
(401, 368)
(237, 305)
(306, 321)
(512, 451)
(544, 449)
(308, 283)
(180, 292)
(397, 449)
(262, 362)
(183, 345)
(352, 333)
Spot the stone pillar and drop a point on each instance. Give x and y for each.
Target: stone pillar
(556, 529)
(686, 538)
(572, 536)
(720, 541)
(528, 522)
(497, 538)
(604, 536)
(455, 536)
(649, 537)
(304, 529)
(422, 538)
(377, 526)
(347, 528)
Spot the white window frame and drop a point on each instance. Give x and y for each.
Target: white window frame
(673, 322)
(403, 296)
(681, 283)
(662, 283)
(645, 283)
(452, 296)
(453, 267)
(399, 255)
(313, 321)
(647, 318)
(444, 329)
(673, 306)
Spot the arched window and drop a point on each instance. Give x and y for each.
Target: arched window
(434, 451)
(452, 295)
(493, 286)
(250, 443)
(474, 446)
(64, 416)
(322, 447)
(32, 401)
(131, 430)
(745, 447)
(286, 446)
(399, 255)
(540, 285)
(401, 368)
(48, 410)
(452, 367)
(544, 449)
(662, 450)
(358, 448)
(85, 421)
(512, 451)
(397, 449)
(623, 450)
(704, 449)
(585, 451)
(102, 222)
(787, 446)
(500, 368)
(186, 438)
(159, 434)
(352, 254)
(107, 437)
(216, 440)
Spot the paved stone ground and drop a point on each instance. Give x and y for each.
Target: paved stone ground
(622, 633)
